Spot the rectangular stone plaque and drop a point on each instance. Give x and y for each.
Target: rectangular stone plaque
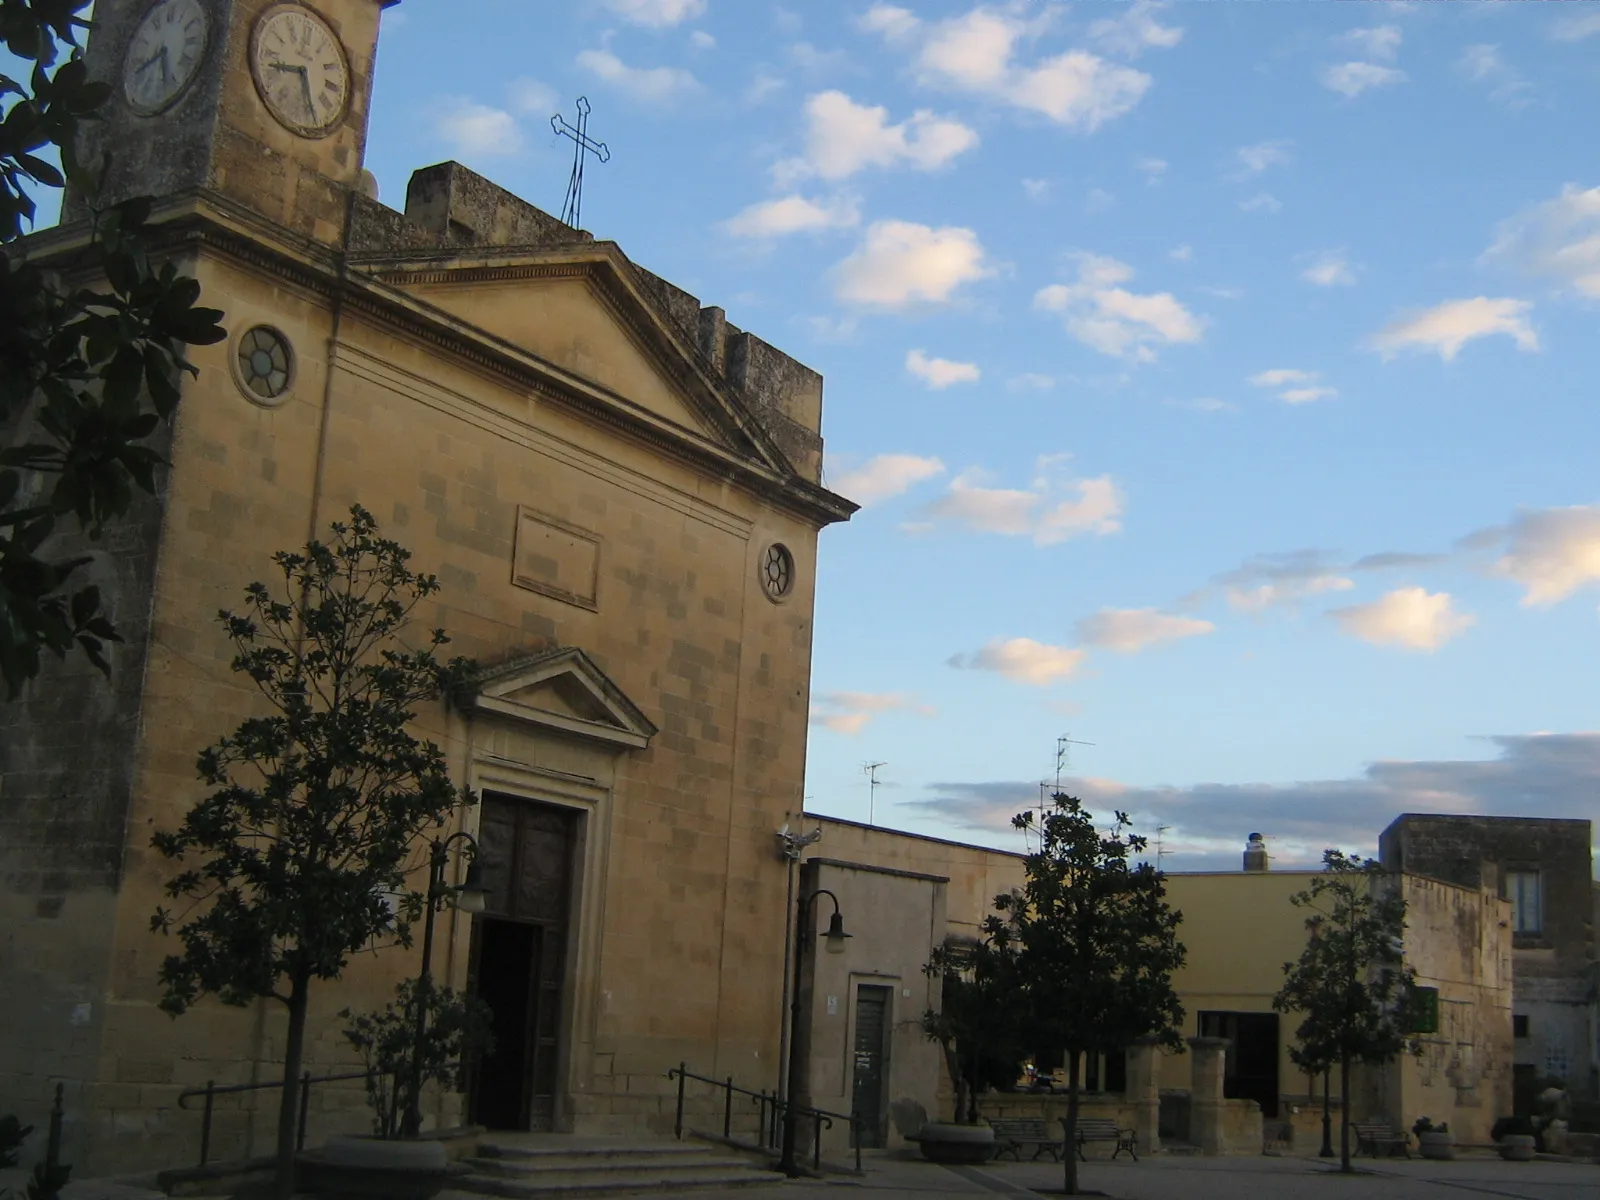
(556, 559)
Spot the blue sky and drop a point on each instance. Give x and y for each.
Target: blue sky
(1217, 378)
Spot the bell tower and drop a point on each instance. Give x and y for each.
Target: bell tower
(262, 102)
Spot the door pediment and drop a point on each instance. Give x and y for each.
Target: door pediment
(561, 690)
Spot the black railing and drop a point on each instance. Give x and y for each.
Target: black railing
(211, 1091)
(772, 1107)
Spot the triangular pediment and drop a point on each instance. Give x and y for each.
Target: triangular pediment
(582, 313)
(561, 690)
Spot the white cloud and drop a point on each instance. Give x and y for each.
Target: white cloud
(1205, 404)
(843, 137)
(817, 62)
(1331, 269)
(1378, 41)
(1484, 64)
(1577, 27)
(532, 98)
(1258, 157)
(793, 214)
(1447, 327)
(476, 130)
(1135, 31)
(1151, 168)
(832, 329)
(1113, 320)
(940, 373)
(761, 87)
(1037, 189)
(1129, 630)
(654, 84)
(900, 263)
(1552, 552)
(975, 52)
(1055, 508)
(1412, 618)
(1277, 580)
(1023, 660)
(1098, 200)
(890, 20)
(851, 712)
(1261, 202)
(885, 476)
(657, 14)
(1184, 253)
(1557, 239)
(1030, 381)
(701, 40)
(1352, 78)
(1305, 385)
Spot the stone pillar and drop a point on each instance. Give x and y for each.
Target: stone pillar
(1205, 1095)
(1144, 1092)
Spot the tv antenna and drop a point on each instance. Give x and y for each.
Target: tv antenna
(871, 772)
(582, 143)
(1161, 844)
(1064, 745)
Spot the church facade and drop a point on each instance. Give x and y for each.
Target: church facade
(620, 493)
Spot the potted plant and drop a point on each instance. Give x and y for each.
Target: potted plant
(385, 1165)
(1434, 1141)
(1515, 1138)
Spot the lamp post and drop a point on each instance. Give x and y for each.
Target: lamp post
(468, 896)
(836, 937)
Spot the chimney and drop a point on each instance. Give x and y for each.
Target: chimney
(1255, 854)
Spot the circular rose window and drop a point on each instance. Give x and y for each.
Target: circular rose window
(777, 571)
(265, 363)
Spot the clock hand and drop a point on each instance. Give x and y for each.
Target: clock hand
(305, 86)
(166, 65)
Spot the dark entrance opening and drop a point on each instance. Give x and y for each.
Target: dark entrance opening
(519, 960)
(1250, 1067)
(871, 1063)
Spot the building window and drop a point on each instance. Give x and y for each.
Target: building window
(1519, 1026)
(265, 364)
(1522, 889)
(777, 571)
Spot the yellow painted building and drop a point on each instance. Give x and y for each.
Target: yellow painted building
(620, 494)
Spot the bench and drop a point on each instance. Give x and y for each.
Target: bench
(1012, 1135)
(1377, 1139)
(1103, 1129)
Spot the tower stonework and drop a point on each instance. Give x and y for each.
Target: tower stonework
(620, 492)
(218, 133)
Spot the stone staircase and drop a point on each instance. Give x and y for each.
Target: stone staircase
(539, 1166)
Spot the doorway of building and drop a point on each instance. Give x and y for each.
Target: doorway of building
(1250, 1067)
(871, 1059)
(518, 965)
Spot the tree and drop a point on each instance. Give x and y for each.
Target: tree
(978, 1026)
(1096, 944)
(458, 1026)
(1350, 982)
(87, 376)
(305, 844)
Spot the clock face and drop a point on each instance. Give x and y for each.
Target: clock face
(299, 69)
(164, 54)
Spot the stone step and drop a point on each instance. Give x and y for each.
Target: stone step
(543, 1167)
(538, 1187)
(602, 1152)
(613, 1166)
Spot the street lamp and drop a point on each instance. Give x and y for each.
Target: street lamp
(469, 896)
(836, 937)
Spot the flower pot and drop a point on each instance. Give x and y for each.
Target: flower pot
(1437, 1145)
(367, 1168)
(1516, 1147)
(968, 1144)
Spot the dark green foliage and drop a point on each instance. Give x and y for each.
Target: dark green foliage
(299, 856)
(458, 1027)
(1350, 984)
(1095, 943)
(87, 375)
(979, 1024)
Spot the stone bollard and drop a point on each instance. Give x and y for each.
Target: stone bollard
(1205, 1095)
(1144, 1092)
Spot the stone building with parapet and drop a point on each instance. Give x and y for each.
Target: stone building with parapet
(620, 493)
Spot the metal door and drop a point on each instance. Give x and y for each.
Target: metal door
(871, 1063)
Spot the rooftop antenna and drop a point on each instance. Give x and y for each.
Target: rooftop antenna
(1161, 845)
(871, 771)
(582, 143)
(1064, 745)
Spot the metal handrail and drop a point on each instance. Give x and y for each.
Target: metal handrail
(211, 1091)
(770, 1103)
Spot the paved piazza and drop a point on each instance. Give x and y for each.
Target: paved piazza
(1221, 1179)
